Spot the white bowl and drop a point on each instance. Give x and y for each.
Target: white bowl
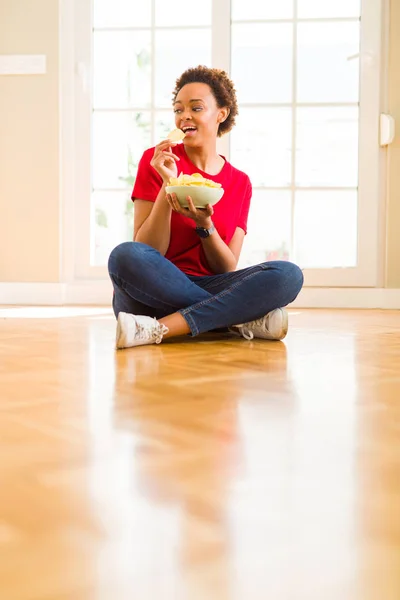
(200, 194)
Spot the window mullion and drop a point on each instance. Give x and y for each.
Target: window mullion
(294, 128)
(221, 51)
(153, 72)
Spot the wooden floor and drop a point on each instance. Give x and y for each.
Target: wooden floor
(209, 469)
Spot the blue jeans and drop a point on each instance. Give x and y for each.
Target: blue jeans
(146, 283)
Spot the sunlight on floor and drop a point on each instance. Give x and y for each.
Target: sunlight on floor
(53, 312)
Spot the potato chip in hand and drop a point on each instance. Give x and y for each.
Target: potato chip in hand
(176, 135)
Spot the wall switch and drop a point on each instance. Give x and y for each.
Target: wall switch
(387, 129)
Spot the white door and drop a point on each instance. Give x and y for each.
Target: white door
(308, 134)
(308, 79)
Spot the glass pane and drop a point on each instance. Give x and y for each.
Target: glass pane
(262, 62)
(122, 69)
(268, 228)
(327, 147)
(324, 72)
(248, 10)
(174, 13)
(326, 229)
(261, 145)
(119, 140)
(177, 51)
(112, 223)
(313, 9)
(121, 13)
(164, 123)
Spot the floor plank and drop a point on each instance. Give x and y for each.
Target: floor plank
(204, 469)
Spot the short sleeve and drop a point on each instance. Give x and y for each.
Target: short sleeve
(148, 182)
(244, 211)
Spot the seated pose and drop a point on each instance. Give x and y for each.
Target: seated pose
(179, 275)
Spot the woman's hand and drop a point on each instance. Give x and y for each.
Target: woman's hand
(201, 216)
(164, 161)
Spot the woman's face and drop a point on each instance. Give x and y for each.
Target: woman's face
(197, 113)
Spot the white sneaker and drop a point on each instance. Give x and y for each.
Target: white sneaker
(138, 330)
(273, 326)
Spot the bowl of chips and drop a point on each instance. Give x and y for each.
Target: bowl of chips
(201, 190)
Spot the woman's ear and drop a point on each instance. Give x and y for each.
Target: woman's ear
(223, 114)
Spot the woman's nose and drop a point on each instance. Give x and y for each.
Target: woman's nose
(185, 115)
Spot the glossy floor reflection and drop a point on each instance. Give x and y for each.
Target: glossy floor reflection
(206, 469)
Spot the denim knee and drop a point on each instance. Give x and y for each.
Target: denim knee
(289, 279)
(127, 255)
(293, 278)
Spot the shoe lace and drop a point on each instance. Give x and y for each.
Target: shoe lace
(247, 329)
(155, 333)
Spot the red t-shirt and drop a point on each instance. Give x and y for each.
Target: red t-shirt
(185, 248)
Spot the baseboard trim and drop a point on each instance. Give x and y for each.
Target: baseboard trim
(56, 294)
(348, 298)
(100, 292)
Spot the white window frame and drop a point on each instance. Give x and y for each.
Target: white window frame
(76, 107)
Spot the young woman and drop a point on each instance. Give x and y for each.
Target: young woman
(178, 276)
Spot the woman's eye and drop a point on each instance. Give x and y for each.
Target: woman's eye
(195, 108)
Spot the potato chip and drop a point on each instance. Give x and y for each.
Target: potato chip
(176, 135)
(195, 180)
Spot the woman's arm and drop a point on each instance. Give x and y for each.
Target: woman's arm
(153, 222)
(221, 257)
